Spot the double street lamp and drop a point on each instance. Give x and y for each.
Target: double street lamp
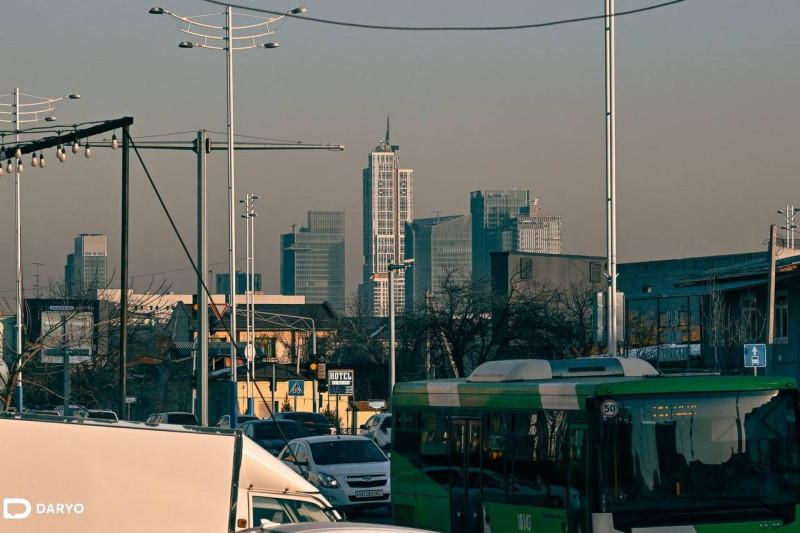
(223, 38)
(36, 109)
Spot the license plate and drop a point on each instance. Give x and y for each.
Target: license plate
(368, 493)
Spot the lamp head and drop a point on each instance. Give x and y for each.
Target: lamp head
(157, 11)
(271, 45)
(74, 96)
(50, 118)
(298, 11)
(186, 44)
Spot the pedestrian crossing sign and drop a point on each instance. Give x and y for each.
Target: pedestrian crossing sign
(297, 387)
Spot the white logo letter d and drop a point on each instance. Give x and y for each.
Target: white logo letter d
(9, 514)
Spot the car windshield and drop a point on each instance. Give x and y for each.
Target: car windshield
(182, 418)
(104, 415)
(269, 430)
(284, 511)
(330, 452)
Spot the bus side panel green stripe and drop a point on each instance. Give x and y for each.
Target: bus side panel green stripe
(443, 394)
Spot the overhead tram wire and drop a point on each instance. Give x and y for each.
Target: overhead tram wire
(452, 28)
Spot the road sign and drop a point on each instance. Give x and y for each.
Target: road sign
(755, 355)
(340, 382)
(297, 387)
(219, 310)
(130, 399)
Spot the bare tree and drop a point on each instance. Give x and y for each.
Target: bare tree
(94, 382)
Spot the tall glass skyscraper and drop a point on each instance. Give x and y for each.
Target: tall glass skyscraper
(86, 267)
(388, 205)
(508, 221)
(313, 259)
(442, 250)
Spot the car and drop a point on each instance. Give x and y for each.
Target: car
(173, 417)
(378, 427)
(98, 414)
(349, 470)
(225, 420)
(272, 435)
(315, 423)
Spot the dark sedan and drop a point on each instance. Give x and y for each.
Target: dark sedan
(272, 435)
(315, 423)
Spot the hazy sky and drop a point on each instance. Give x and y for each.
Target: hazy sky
(708, 122)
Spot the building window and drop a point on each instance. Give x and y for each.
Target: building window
(781, 317)
(594, 272)
(749, 318)
(526, 268)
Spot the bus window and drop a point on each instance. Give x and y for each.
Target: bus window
(540, 459)
(495, 464)
(434, 449)
(406, 436)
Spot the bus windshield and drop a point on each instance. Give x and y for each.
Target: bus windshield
(702, 455)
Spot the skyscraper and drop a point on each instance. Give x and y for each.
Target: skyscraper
(313, 259)
(442, 250)
(85, 270)
(388, 205)
(508, 221)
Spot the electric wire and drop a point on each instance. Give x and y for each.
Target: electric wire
(447, 28)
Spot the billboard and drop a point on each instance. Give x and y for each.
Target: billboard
(66, 331)
(340, 382)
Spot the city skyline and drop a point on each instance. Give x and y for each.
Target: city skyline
(706, 124)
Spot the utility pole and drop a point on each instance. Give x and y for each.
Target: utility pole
(202, 146)
(773, 233)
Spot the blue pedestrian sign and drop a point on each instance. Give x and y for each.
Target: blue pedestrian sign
(297, 387)
(755, 355)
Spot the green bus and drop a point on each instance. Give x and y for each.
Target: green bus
(595, 445)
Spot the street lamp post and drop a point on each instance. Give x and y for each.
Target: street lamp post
(228, 42)
(249, 216)
(611, 178)
(38, 109)
(391, 267)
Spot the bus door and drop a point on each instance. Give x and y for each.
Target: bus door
(577, 480)
(466, 509)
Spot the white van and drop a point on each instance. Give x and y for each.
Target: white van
(78, 475)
